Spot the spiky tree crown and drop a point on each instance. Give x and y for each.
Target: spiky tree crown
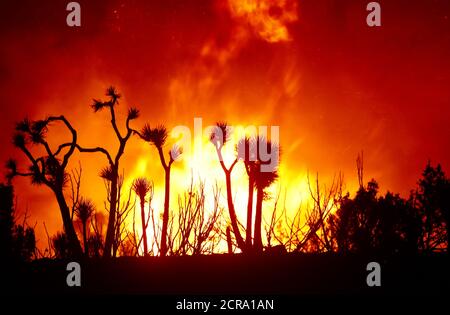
(141, 186)
(113, 95)
(156, 136)
(84, 210)
(30, 131)
(220, 134)
(133, 113)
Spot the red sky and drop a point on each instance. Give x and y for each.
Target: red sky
(336, 87)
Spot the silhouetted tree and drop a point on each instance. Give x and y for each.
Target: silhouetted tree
(84, 211)
(219, 136)
(49, 169)
(142, 187)
(157, 136)
(246, 148)
(398, 229)
(432, 199)
(113, 168)
(356, 220)
(263, 178)
(368, 223)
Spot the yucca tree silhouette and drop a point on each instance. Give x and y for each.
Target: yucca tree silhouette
(246, 151)
(84, 211)
(110, 248)
(220, 135)
(157, 137)
(265, 173)
(49, 169)
(141, 186)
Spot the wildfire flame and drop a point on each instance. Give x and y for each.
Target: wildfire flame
(268, 19)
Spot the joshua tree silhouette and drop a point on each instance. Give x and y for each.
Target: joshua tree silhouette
(84, 211)
(142, 187)
(219, 136)
(247, 153)
(263, 178)
(157, 136)
(113, 168)
(49, 170)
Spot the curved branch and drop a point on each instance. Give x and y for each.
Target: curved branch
(222, 164)
(23, 174)
(97, 149)
(74, 138)
(35, 162)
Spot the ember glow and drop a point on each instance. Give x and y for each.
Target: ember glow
(333, 86)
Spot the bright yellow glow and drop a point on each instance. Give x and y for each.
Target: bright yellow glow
(201, 165)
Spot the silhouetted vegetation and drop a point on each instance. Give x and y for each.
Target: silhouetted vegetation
(390, 224)
(333, 221)
(111, 172)
(220, 135)
(49, 169)
(142, 187)
(84, 211)
(17, 241)
(157, 136)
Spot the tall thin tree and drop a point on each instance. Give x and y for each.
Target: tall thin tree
(141, 186)
(246, 151)
(157, 137)
(264, 177)
(113, 201)
(220, 135)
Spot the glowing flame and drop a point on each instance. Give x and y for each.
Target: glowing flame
(267, 18)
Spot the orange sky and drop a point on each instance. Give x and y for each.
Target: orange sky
(313, 67)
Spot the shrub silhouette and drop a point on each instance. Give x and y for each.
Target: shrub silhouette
(61, 245)
(17, 241)
(84, 211)
(390, 224)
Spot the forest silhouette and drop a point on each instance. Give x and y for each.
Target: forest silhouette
(368, 224)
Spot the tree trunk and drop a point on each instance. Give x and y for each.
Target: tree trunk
(85, 241)
(248, 236)
(69, 229)
(144, 232)
(239, 240)
(258, 220)
(110, 232)
(166, 213)
(229, 241)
